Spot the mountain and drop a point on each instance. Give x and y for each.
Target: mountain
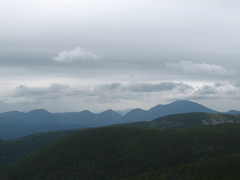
(206, 152)
(11, 114)
(89, 119)
(136, 115)
(109, 117)
(233, 112)
(187, 120)
(16, 124)
(163, 110)
(12, 150)
(84, 118)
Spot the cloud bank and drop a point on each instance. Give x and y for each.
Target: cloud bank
(117, 94)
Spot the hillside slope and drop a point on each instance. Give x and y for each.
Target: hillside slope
(187, 120)
(12, 150)
(123, 152)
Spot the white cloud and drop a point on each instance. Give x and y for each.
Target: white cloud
(188, 67)
(76, 54)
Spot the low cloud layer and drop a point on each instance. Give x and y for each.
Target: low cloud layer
(117, 94)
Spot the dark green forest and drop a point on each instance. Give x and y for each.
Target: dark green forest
(206, 152)
(12, 150)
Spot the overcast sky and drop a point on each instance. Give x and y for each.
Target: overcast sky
(72, 55)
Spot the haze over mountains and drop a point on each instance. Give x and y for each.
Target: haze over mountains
(17, 124)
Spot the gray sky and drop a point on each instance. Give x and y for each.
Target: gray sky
(71, 55)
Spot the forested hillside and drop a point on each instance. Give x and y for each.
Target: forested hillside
(130, 152)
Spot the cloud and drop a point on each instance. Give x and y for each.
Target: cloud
(157, 87)
(207, 90)
(75, 55)
(188, 67)
(115, 94)
(29, 94)
(237, 84)
(109, 87)
(107, 92)
(117, 90)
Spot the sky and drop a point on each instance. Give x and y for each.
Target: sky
(72, 55)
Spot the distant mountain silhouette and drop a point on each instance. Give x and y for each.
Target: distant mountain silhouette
(108, 117)
(15, 124)
(136, 115)
(89, 119)
(163, 110)
(233, 112)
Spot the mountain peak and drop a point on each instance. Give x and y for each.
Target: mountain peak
(181, 106)
(87, 112)
(40, 111)
(233, 112)
(183, 102)
(11, 112)
(184, 106)
(110, 112)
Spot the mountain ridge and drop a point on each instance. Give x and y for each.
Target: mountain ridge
(192, 119)
(181, 106)
(16, 124)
